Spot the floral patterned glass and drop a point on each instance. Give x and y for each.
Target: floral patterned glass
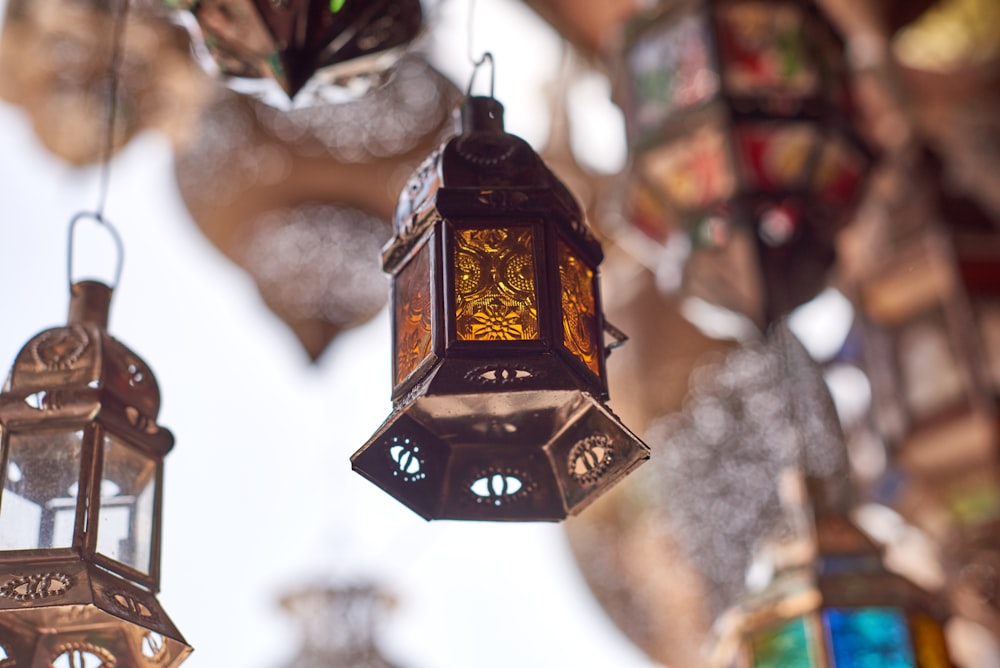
(579, 309)
(495, 298)
(693, 172)
(412, 311)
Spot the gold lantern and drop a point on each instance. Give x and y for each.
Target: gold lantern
(80, 508)
(498, 354)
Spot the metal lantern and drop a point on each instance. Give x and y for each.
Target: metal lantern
(81, 500)
(498, 340)
(739, 123)
(295, 41)
(841, 609)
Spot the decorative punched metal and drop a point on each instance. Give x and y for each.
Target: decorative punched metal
(80, 506)
(498, 340)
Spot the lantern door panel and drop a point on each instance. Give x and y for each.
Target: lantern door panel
(38, 508)
(495, 294)
(579, 309)
(127, 505)
(413, 310)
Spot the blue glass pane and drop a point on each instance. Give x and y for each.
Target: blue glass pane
(869, 638)
(785, 646)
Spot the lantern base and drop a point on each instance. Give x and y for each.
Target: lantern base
(514, 456)
(52, 607)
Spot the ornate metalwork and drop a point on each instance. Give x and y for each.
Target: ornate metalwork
(498, 360)
(36, 586)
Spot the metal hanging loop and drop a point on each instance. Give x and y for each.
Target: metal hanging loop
(487, 56)
(104, 223)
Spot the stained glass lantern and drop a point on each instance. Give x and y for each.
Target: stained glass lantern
(498, 340)
(295, 43)
(81, 501)
(843, 610)
(740, 128)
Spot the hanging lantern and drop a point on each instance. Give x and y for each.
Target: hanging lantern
(298, 42)
(739, 123)
(498, 349)
(841, 609)
(81, 502)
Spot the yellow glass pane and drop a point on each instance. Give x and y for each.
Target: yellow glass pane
(579, 309)
(495, 296)
(412, 304)
(929, 642)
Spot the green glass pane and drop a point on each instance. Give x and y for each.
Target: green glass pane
(869, 638)
(785, 646)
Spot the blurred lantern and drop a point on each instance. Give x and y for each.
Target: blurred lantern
(301, 200)
(841, 608)
(300, 43)
(82, 500)
(54, 59)
(740, 126)
(338, 625)
(498, 354)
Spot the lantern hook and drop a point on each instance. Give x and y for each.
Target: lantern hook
(115, 237)
(487, 56)
(618, 335)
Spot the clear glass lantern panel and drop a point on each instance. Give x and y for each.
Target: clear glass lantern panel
(868, 638)
(126, 511)
(412, 312)
(929, 641)
(672, 70)
(495, 295)
(790, 644)
(579, 307)
(929, 370)
(774, 157)
(764, 50)
(693, 171)
(840, 171)
(41, 488)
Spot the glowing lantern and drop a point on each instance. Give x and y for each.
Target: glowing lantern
(498, 355)
(81, 500)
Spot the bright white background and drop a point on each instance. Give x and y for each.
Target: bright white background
(259, 495)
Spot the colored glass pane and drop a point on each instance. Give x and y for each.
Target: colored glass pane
(840, 171)
(868, 638)
(412, 311)
(774, 156)
(787, 646)
(693, 171)
(763, 47)
(671, 71)
(929, 642)
(579, 308)
(494, 282)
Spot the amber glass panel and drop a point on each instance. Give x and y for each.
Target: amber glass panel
(579, 308)
(495, 296)
(929, 642)
(412, 303)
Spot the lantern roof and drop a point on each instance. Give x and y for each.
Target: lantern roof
(485, 171)
(80, 363)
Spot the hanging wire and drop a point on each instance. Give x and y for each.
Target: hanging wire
(104, 177)
(478, 62)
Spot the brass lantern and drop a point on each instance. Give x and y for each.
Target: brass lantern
(294, 42)
(498, 340)
(842, 608)
(739, 123)
(81, 500)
